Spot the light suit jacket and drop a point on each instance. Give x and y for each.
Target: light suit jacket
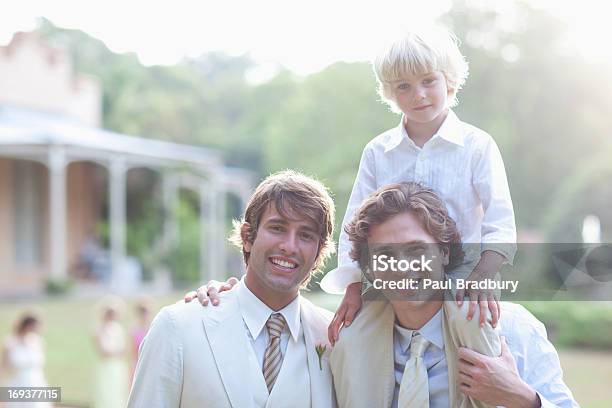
(362, 360)
(196, 356)
(365, 354)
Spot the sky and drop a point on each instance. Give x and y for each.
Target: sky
(302, 36)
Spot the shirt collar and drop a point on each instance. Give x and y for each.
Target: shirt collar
(255, 313)
(431, 331)
(450, 131)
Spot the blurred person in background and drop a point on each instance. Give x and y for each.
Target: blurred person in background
(23, 357)
(143, 321)
(111, 372)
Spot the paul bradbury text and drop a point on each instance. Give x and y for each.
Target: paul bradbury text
(434, 284)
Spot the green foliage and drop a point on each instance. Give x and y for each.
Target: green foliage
(586, 192)
(547, 110)
(576, 324)
(183, 259)
(58, 287)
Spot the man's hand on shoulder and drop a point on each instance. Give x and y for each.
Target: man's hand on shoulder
(209, 293)
(494, 380)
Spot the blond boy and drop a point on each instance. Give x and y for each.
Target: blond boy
(419, 76)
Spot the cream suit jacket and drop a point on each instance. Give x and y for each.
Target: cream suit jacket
(363, 361)
(196, 356)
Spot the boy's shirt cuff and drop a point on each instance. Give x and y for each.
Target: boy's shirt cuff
(336, 280)
(506, 250)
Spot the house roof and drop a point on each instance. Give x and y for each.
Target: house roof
(21, 128)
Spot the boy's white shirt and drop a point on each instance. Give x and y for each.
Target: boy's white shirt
(461, 163)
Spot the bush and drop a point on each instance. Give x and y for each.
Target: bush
(184, 259)
(58, 287)
(576, 324)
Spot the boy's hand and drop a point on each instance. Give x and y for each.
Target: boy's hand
(348, 309)
(210, 291)
(487, 268)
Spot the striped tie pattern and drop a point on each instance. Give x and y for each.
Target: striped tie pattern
(273, 358)
(414, 388)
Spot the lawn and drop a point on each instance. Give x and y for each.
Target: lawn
(69, 322)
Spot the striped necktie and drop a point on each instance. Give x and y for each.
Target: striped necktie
(273, 358)
(414, 388)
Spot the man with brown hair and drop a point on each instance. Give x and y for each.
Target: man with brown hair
(264, 344)
(404, 351)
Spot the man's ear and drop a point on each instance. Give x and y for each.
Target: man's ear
(247, 236)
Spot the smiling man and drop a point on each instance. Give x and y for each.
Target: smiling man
(403, 349)
(263, 345)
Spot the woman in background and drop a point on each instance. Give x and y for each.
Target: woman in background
(143, 321)
(111, 377)
(23, 358)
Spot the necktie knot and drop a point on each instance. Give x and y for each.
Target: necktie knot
(414, 387)
(275, 325)
(418, 344)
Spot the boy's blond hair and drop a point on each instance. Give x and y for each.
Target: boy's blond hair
(419, 52)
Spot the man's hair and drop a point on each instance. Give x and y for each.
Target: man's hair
(293, 195)
(400, 198)
(419, 52)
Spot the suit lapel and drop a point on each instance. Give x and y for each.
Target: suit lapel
(387, 357)
(315, 333)
(450, 353)
(364, 360)
(376, 352)
(226, 335)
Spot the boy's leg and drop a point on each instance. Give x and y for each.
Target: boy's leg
(460, 332)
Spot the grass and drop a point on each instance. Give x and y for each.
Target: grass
(69, 323)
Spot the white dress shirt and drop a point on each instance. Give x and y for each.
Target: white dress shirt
(461, 163)
(255, 314)
(536, 358)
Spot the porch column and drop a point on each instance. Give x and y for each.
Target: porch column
(57, 213)
(245, 195)
(220, 232)
(170, 184)
(207, 244)
(117, 187)
(212, 230)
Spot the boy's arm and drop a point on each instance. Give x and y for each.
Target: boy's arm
(498, 231)
(346, 278)
(348, 271)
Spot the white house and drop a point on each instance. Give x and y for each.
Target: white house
(52, 154)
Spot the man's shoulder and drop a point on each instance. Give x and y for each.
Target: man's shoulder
(315, 312)
(515, 317)
(473, 136)
(371, 330)
(374, 320)
(181, 315)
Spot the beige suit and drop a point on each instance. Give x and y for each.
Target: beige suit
(362, 361)
(198, 356)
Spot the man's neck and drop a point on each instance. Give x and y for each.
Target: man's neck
(413, 315)
(273, 299)
(420, 133)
